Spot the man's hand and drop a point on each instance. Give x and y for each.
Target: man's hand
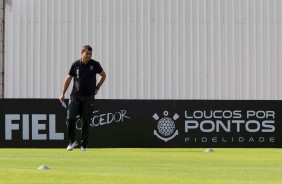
(62, 98)
(96, 91)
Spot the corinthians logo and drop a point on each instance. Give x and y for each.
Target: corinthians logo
(166, 127)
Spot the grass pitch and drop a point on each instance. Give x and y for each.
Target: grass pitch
(135, 166)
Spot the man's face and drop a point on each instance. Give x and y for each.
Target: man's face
(86, 55)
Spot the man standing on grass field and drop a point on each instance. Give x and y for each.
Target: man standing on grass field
(82, 97)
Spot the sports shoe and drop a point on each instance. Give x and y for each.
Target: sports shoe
(83, 148)
(71, 146)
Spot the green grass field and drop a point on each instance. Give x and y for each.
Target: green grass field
(141, 166)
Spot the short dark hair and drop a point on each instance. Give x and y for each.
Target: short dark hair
(86, 48)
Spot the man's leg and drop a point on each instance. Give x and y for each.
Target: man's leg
(86, 114)
(72, 113)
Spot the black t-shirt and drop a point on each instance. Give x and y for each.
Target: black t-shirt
(84, 77)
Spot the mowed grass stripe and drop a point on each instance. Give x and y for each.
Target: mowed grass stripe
(141, 166)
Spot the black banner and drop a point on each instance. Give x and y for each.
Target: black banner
(33, 123)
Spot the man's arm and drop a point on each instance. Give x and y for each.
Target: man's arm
(65, 87)
(101, 81)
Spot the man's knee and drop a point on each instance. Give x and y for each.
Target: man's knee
(72, 119)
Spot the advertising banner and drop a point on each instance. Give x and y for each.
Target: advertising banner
(32, 123)
(146, 123)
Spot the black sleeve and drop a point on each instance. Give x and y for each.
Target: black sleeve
(72, 69)
(99, 68)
